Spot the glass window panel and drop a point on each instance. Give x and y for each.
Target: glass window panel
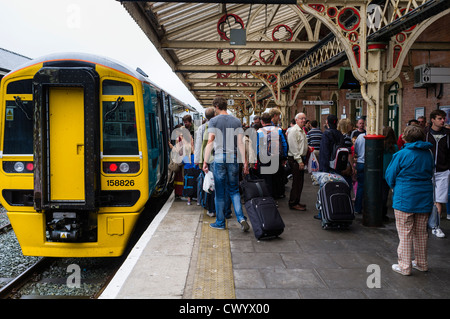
(18, 128)
(119, 129)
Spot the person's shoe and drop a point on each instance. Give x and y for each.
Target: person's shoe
(298, 207)
(414, 265)
(189, 203)
(244, 225)
(438, 232)
(396, 268)
(210, 214)
(448, 215)
(318, 217)
(215, 226)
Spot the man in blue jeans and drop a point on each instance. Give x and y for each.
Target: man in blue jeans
(225, 134)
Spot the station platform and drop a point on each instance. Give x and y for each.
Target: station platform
(181, 257)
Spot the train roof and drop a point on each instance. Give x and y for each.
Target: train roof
(85, 57)
(95, 59)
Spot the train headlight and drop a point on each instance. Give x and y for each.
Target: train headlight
(124, 167)
(19, 167)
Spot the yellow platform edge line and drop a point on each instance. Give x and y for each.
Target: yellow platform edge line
(213, 277)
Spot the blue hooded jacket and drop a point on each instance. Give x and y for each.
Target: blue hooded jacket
(410, 175)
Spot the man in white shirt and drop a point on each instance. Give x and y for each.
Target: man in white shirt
(298, 148)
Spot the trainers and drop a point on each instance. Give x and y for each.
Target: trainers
(244, 225)
(189, 203)
(215, 226)
(414, 265)
(448, 216)
(438, 232)
(396, 268)
(210, 214)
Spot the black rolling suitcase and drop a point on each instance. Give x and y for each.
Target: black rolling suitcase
(335, 205)
(253, 187)
(265, 218)
(190, 182)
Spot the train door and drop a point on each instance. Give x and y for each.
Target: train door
(66, 123)
(66, 139)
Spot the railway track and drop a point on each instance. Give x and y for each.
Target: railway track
(62, 278)
(81, 278)
(12, 288)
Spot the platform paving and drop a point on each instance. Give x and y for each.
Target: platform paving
(309, 262)
(305, 262)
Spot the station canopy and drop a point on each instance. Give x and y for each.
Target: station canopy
(215, 48)
(237, 49)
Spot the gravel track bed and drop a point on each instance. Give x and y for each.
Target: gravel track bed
(94, 272)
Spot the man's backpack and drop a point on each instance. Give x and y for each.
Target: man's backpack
(339, 156)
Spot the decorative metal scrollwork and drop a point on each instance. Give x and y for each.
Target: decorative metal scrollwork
(277, 29)
(224, 20)
(269, 59)
(221, 60)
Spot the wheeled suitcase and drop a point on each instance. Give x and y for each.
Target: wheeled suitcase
(264, 217)
(190, 182)
(253, 187)
(335, 205)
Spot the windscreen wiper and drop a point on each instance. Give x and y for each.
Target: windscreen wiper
(115, 106)
(21, 107)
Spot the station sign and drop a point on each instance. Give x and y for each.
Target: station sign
(353, 96)
(318, 102)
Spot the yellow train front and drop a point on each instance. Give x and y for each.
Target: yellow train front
(83, 148)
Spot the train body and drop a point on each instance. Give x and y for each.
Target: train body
(84, 145)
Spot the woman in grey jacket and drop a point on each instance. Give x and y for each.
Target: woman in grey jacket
(410, 175)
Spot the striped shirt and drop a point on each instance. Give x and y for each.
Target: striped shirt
(314, 137)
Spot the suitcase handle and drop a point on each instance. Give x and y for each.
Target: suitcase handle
(260, 191)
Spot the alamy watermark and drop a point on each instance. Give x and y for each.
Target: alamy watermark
(74, 279)
(265, 144)
(374, 279)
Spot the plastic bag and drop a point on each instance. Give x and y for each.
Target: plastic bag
(313, 163)
(208, 182)
(434, 219)
(321, 178)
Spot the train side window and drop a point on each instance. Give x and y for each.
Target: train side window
(153, 131)
(112, 87)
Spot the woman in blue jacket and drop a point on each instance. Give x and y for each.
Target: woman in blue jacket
(410, 175)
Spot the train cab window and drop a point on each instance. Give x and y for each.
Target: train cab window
(111, 87)
(119, 128)
(18, 135)
(20, 87)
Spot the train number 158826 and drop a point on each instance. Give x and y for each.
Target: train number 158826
(121, 182)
